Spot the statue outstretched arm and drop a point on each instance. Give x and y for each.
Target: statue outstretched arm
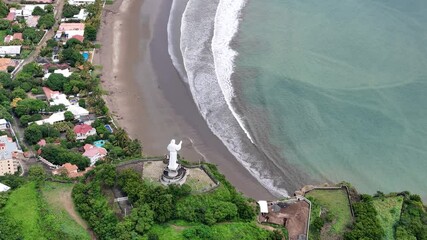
(178, 146)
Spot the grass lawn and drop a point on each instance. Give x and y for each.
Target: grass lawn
(222, 231)
(25, 53)
(2, 35)
(388, 213)
(58, 196)
(336, 202)
(22, 206)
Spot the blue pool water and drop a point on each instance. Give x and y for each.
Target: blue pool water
(85, 55)
(109, 128)
(99, 143)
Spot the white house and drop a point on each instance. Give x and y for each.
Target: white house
(4, 188)
(3, 124)
(80, 2)
(82, 15)
(77, 111)
(65, 72)
(10, 50)
(83, 131)
(26, 10)
(54, 118)
(263, 206)
(70, 30)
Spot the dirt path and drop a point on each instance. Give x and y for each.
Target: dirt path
(66, 201)
(61, 198)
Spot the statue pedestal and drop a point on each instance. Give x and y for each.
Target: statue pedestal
(173, 176)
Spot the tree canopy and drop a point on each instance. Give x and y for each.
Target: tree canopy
(56, 81)
(46, 21)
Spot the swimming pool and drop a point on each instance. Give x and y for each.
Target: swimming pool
(99, 143)
(109, 128)
(85, 55)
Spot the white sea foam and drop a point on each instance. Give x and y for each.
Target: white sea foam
(226, 27)
(173, 37)
(213, 97)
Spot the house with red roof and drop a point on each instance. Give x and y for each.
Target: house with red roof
(42, 143)
(83, 131)
(10, 16)
(70, 170)
(15, 36)
(94, 153)
(69, 30)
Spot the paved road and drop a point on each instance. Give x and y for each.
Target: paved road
(50, 34)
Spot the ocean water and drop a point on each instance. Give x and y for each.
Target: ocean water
(309, 91)
(343, 86)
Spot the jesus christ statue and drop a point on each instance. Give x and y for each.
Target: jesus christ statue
(173, 149)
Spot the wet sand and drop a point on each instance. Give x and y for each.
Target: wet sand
(146, 95)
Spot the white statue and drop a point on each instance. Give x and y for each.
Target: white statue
(173, 149)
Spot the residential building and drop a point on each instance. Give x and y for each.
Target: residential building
(65, 72)
(42, 143)
(26, 10)
(77, 111)
(68, 30)
(81, 16)
(54, 118)
(4, 124)
(70, 170)
(10, 50)
(50, 93)
(80, 2)
(15, 36)
(10, 16)
(83, 131)
(8, 152)
(43, 1)
(87, 119)
(55, 97)
(4, 188)
(94, 153)
(6, 62)
(32, 21)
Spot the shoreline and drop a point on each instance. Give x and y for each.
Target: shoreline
(147, 96)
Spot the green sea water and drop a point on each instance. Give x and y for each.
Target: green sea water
(342, 85)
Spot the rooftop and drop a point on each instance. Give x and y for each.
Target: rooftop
(4, 188)
(82, 128)
(9, 147)
(5, 62)
(71, 26)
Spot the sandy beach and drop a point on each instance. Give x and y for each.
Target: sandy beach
(146, 95)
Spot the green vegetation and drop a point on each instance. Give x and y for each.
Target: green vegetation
(22, 207)
(184, 231)
(221, 214)
(413, 219)
(70, 10)
(59, 155)
(367, 225)
(35, 209)
(58, 197)
(388, 209)
(336, 205)
(3, 34)
(4, 10)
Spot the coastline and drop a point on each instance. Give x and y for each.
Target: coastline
(146, 95)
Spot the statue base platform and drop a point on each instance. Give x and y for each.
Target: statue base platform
(174, 176)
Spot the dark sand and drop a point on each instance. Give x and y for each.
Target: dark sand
(146, 95)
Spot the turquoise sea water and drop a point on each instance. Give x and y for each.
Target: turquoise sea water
(343, 86)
